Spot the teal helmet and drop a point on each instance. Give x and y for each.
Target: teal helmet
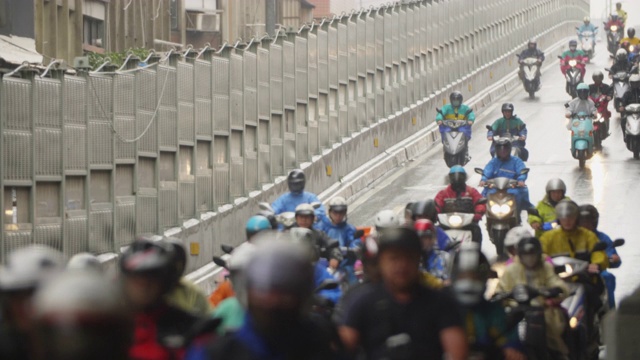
(257, 223)
(457, 176)
(582, 86)
(583, 91)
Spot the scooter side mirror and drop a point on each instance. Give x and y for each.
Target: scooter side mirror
(220, 262)
(618, 242)
(479, 171)
(559, 57)
(488, 127)
(358, 234)
(482, 201)
(577, 28)
(493, 274)
(316, 204)
(566, 105)
(599, 247)
(227, 249)
(596, 27)
(533, 211)
(524, 171)
(607, 69)
(265, 207)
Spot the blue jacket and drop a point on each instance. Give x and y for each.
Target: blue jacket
(610, 249)
(342, 232)
(589, 27)
(435, 263)
(289, 201)
(321, 274)
(442, 238)
(509, 169)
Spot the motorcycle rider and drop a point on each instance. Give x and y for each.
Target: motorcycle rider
(581, 104)
(598, 89)
(185, 294)
(511, 241)
(614, 20)
(427, 209)
(530, 268)
(555, 192)
(630, 97)
(587, 26)
(511, 124)
(458, 197)
(589, 217)
(26, 270)
(296, 181)
(410, 320)
(328, 247)
(531, 51)
(621, 63)
(486, 322)
(433, 261)
(505, 165)
(575, 54)
(631, 38)
(456, 110)
(621, 14)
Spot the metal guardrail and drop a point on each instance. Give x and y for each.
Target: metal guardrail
(90, 160)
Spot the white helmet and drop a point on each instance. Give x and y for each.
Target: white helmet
(516, 234)
(621, 53)
(29, 267)
(385, 219)
(586, 19)
(337, 203)
(84, 261)
(241, 256)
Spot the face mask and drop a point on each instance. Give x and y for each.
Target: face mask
(468, 292)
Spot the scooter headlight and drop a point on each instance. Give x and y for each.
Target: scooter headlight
(573, 63)
(631, 48)
(520, 294)
(573, 322)
(614, 28)
(455, 221)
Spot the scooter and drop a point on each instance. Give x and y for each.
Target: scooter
(583, 337)
(531, 80)
(516, 148)
(530, 318)
(502, 210)
(601, 124)
(588, 43)
(573, 75)
(454, 224)
(614, 35)
(582, 142)
(286, 219)
(455, 142)
(632, 129)
(620, 87)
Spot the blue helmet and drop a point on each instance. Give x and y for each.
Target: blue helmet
(257, 223)
(457, 169)
(457, 176)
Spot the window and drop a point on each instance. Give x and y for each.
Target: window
(93, 31)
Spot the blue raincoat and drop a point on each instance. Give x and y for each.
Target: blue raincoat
(289, 201)
(510, 169)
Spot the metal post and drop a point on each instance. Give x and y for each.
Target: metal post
(271, 17)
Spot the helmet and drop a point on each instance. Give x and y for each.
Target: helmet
(586, 20)
(503, 143)
(618, 5)
(634, 81)
(305, 238)
(470, 261)
(567, 209)
(456, 98)
(631, 32)
(424, 228)
(555, 184)
(147, 257)
(305, 210)
(179, 256)
(530, 252)
(240, 258)
(583, 91)
(589, 213)
(257, 223)
(84, 261)
(281, 266)
(621, 55)
(507, 107)
(29, 267)
(337, 204)
(296, 181)
(385, 219)
(399, 237)
(573, 44)
(597, 76)
(614, 17)
(270, 216)
(425, 209)
(457, 176)
(533, 42)
(516, 234)
(86, 310)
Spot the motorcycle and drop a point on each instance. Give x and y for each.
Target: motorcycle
(454, 140)
(287, 219)
(588, 43)
(601, 124)
(529, 318)
(530, 67)
(632, 129)
(620, 87)
(516, 148)
(502, 210)
(583, 337)
(454, 224)
(614, 35)
(573, 75)
(582, 141)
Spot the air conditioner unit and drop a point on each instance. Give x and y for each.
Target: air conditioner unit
(203, 22)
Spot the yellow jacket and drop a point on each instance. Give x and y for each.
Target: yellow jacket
(542, 278)
(622, 15)
(188, 297)
(632, 41)
(576, 243)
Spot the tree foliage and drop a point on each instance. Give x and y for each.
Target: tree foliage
(117, 58)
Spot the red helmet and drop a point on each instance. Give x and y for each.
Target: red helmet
(424, 228)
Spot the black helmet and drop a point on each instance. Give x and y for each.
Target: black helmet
(456, 98)
(424, 209)
(470, 259)
(145, 256)
(399, 237)
(508, 107)
(631, 32)
(529, 245)
(296, 181)
(573, 44)
(589, 213)
(179, 258)
(597, 76)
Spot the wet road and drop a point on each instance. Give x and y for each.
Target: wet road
(609, 180)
